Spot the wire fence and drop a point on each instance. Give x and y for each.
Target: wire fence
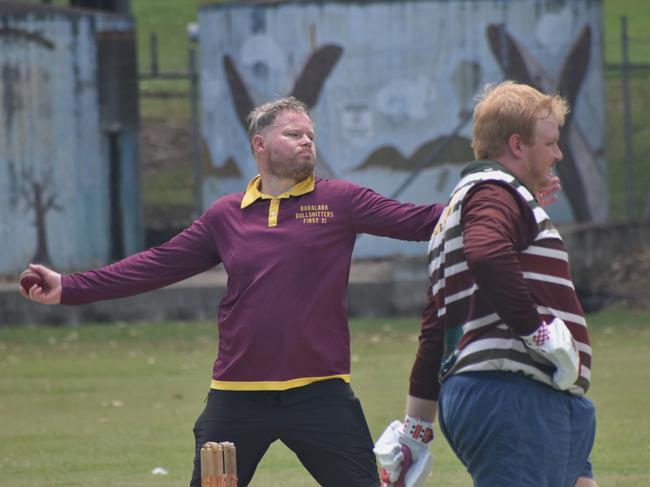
(628, 127)
(170, 145)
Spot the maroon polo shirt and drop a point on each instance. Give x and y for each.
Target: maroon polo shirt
(283, 320)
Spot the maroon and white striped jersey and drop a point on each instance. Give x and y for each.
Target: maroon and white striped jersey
(498, 267)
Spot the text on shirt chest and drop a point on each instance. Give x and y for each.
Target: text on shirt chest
(311, 214)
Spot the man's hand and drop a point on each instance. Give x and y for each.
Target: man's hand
(403, 453)
(548, 193)
(50, 293)
(554, 342)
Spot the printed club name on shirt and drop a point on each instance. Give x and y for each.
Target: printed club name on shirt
(314, 214)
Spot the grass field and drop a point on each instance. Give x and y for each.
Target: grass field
(638, 18)
(104, 405)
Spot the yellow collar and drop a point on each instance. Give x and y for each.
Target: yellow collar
(253, 192)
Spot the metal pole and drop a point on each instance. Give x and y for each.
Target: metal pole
(153, 44)
(627, 123)
(194, 118)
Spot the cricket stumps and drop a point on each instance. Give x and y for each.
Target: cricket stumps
(218, 465)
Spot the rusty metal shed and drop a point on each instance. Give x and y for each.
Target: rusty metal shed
(388, 82)
(69, 169)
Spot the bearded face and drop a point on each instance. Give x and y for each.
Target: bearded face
(289, 146)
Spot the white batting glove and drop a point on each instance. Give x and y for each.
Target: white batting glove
(554, 342)
(403, 453)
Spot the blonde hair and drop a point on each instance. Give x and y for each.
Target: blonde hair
(264, 115)
(509, 108)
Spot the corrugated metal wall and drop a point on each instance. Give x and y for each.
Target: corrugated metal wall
(57, 204)
(388, 81)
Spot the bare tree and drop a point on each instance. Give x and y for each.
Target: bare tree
(40, 196)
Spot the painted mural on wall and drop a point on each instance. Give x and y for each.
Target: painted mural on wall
(54, 202)
(34, 190)
(391, 87)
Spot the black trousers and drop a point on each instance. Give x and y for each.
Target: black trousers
(322, 423)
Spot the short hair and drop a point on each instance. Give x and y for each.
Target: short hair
(264, 115)
(508, 108)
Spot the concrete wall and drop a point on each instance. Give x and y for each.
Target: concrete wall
(387, 82)
(56, 199)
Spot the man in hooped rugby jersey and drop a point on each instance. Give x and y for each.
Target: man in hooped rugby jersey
(504, 357)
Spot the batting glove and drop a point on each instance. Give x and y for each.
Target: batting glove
(403, 453)
(554, 342)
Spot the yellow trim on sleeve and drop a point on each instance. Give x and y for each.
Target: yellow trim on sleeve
(279, 385)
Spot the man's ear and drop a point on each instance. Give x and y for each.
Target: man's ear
(258, 143)
(515, 144)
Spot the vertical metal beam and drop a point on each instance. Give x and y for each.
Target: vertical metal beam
(153, 53)
(115, 194)
(627, 123)
(194, 119)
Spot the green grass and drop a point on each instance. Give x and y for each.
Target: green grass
(176, 109)
(168, 19)
(162, 188)
(638, 24)
(102, 405)
(638, 19)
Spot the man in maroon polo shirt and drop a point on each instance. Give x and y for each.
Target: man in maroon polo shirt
(504, 353)
(283, 367)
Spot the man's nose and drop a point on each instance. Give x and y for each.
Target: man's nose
(558, 155)
(305, 140)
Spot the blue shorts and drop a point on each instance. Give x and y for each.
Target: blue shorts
(511, 430)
